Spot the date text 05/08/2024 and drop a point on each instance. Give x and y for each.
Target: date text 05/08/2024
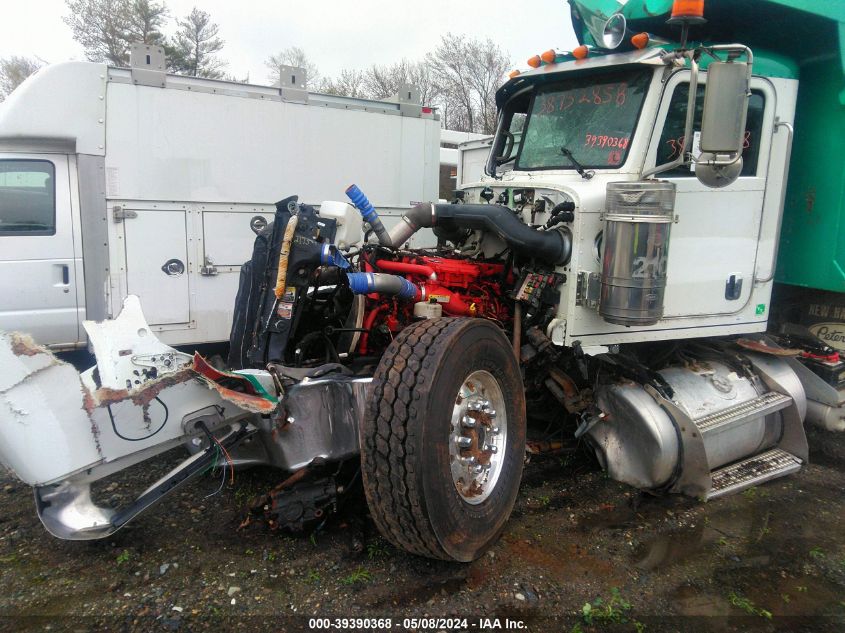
(417, 624)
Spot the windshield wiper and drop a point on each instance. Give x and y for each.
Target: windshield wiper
(586, 175)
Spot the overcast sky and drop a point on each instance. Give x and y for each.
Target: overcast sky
(335, 34)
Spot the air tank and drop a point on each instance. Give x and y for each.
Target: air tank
(638, 218)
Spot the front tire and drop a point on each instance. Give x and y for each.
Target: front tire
(443, 438)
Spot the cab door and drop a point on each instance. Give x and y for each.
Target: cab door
(38, 293)
(713, 244)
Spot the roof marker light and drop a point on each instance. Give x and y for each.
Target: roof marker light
(513, 73)
(581, 52)
(689, 11)
(534, 62)
(549, 56)
(640, 40)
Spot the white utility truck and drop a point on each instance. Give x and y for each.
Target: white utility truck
(117, 181)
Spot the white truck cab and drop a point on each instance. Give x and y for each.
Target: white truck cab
(620, 115)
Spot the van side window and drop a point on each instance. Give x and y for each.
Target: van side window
(671, 141)
(27, 197)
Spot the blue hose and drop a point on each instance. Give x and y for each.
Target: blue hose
(368, 212)
(330, 256)
(381, 283)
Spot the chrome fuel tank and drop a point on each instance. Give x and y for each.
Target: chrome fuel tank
(639, 441)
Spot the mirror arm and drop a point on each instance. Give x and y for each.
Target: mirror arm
(693, 92)
(491, 164)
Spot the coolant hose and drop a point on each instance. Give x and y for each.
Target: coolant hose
(553, 246)
(330, 256)
(383, 284)
(368, 212)
(408, 269)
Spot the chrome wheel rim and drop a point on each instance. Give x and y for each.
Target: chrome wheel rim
(478, 437)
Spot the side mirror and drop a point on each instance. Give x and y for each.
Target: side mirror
(723, 123)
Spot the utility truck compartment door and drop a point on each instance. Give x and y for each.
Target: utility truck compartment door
(157, 264)
(228, 237)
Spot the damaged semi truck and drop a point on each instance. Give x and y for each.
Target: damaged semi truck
(611, 274)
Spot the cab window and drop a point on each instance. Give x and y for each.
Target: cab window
(27, 197)
(672, 138)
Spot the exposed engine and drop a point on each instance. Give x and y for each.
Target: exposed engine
(444, 286)
(312, 303)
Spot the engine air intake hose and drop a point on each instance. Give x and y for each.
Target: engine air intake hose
(552, 246)
(382, 283)
(368, 212)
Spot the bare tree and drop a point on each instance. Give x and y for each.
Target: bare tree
(13, 70)
(488, 68)
(293, 56)
(453, 114)
(350, 83)
(194, 48)
(382, 82)
(469, 72)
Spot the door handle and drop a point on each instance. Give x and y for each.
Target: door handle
(64, 274)
(733, 287)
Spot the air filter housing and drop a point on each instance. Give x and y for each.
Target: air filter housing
(638, 219)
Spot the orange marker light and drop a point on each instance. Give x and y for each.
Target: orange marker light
(549, 56)
(534, 62)
(513, 73)
(581, 52)
(640, 40)
(691, 10)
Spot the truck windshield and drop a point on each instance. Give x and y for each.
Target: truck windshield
(592, 116)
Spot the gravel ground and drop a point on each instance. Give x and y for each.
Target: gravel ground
(580, 553)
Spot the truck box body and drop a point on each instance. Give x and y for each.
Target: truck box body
(110, 187)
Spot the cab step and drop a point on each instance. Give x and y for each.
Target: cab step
(764, 405)
(752, 471)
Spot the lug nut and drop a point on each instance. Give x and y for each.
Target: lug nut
(478, 469)
(468, 422)
(495, 430)
(491, 448)
(463, 442)
(470, 461)
(490, 412)
(475, 405)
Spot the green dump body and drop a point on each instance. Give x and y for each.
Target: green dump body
(810, 33)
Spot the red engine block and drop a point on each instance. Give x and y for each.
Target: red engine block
(462, 288)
